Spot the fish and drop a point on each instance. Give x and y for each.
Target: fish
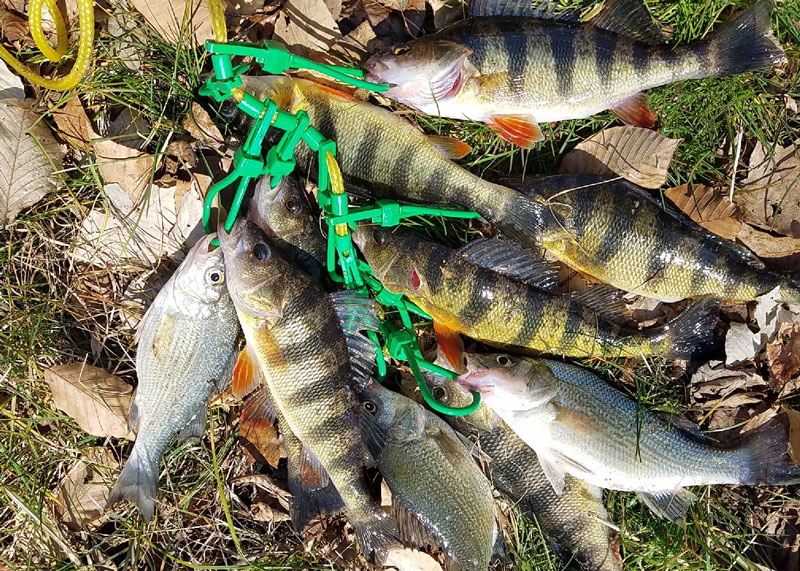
(186, 347)
(575, 522)
(497, 292)
(391, 158)
(286, 213)
(623, 236)
(511, 70)
(308, 346)
(433, 479)
(579, 425)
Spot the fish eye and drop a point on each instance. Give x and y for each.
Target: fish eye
(401, 49)
(292, 205)
(262, 251)
(439, 393)
(379, 236)
(370, 407)
(503, 360)
(215, 276)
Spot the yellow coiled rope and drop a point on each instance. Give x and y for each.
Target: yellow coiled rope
(85, 43)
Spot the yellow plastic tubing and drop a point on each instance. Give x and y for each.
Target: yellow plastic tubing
(82, 62)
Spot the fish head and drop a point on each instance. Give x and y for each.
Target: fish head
(396, 258)
(259, 279)
(422, 72)
(201, 276)
(508, 382)
(393, 411)
(283, 211)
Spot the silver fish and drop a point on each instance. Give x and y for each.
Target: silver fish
(186, 344)
(578, 425)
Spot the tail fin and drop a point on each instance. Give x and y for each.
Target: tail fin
(746, 43)
(690, 334)
(377, 536)
(766, 459)
(529, 219)
(137, 482)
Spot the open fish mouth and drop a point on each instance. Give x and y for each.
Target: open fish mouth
(480, 381)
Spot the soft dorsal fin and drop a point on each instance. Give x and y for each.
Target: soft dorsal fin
(545, 10)
(629, 18)
(357, 314)
(606, 301)
(512, 260)
(412, 531)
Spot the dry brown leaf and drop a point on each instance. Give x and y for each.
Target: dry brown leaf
(770, 196)
(123, 166)
(96, 399)
(766, 245)
(257, 434)
(201, 127)
(10, 84)
(84, 490)
(169, 19)
(411, 560)
(709, 208)
(639, 155)
(74, 125)
(794, 433)
(783, 354)
(15, 29)
(28, 157)
(384, 14)
(245, 7)
(308, 29)
(445, 12)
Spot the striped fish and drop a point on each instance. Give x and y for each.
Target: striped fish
(574, 522)
(516, 72)
(392, 158)
(623, 236)
(299, 338)
(493, 291)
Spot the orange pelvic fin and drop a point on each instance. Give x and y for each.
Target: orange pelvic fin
(521, 130)
(635, 110)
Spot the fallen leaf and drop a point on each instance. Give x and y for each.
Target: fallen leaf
(741, 344)
(28, 157)
(96, 399)
(126, 167)
(74, 125)
(245, 7)
(200, 126)
(766, 245)
(723, 396)
(10, 84)
(639, 155)
(169, 19)
(405, 559)
(83, 493)
(794, 433)
(709, 208)
(15, 29)
(770, 196)
(446, 12)
(144, 233)
(783, 354)
(411, 13)
(308, 29)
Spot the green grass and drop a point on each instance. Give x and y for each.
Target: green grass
(56, 312)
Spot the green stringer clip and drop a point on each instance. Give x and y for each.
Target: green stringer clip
(249, 163)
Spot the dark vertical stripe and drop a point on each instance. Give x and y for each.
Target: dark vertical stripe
(706, 259)
(640, 58)
(517, 49)
(605, 46)
(702, 51)
(532, 319)
(563, 50)
(478, 306)
(616, 231)
(574, 327)
(367, 152)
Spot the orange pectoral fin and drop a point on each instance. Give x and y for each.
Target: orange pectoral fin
(245, 374)
(521, 130)
(635, 110)
(451, 344)
(450, 147)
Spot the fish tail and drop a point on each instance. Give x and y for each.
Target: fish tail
(137, 482)
(745, 44)
(688, 335)
(529, 219)
(764, 458)
(377, 535)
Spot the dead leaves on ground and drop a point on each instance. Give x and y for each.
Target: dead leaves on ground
(97, 400)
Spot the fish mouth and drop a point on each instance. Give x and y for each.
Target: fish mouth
(231, 242)
(480, 381)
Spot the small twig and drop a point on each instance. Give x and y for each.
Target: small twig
(736, 160)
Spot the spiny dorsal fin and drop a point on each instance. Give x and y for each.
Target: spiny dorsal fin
(512, 260)
(606, 301)
(629, 18)
(357, 314)
(545, 10)
(670, 504)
